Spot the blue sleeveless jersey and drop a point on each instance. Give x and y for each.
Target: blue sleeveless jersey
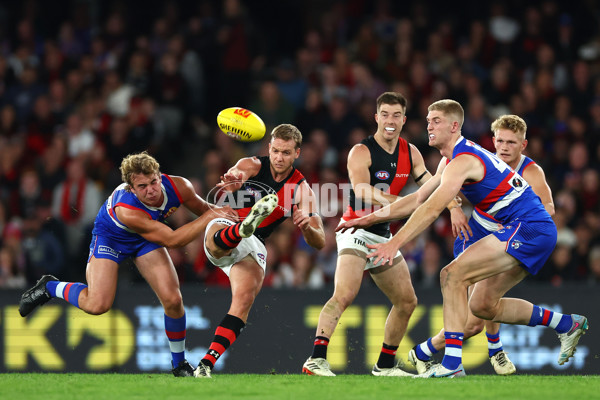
(504, 197)
(123, 240)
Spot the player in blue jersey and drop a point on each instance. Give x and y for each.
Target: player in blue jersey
(510, 142)
(267, 190)
(496, 262)
(130, 224)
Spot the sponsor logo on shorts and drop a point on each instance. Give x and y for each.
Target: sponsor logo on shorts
(360, 242)
(516, 244)
(107, 250)
(383, 175)
(261, 256)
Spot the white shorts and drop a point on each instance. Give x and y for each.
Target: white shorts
(358, 241)
(248, 246)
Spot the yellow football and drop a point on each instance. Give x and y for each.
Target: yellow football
(241, 124)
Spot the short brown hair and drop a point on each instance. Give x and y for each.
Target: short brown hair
(512, 123)
(140, 163)
(448, 106)
(391, 98)
(287, 132)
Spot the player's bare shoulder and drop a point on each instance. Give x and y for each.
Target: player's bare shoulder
(359, 155)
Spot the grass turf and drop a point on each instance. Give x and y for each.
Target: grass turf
(47, 386)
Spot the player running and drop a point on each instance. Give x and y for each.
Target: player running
(496, 262)
(130, 224)
(510, 142)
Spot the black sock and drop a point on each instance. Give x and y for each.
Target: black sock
(320, 349)
(387, 356)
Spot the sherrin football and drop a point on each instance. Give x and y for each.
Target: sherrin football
(241, 124)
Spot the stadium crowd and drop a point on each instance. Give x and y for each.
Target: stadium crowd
(78, 93)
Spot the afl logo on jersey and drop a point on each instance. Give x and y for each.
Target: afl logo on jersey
(382, 175)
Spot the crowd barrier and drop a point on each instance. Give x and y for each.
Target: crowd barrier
(278, 337)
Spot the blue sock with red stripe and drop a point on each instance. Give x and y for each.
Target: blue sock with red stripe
(559, 322)
(453, 356)
(494, 343)
(425, 350)
(227, 332)
(68, 291)
(175, 330)
(387, 356)
(228, 238)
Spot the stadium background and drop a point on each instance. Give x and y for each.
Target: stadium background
(82, 88)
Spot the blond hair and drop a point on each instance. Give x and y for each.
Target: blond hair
(449, 107)
(140, 163)
(512, 123)
(287, 132)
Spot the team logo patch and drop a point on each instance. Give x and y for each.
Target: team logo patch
(382, 175)
(170, 212)
(516, 244)
(261, 256)
(516, 182)
(107, 250)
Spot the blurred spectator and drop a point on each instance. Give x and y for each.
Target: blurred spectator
(76, 202)
(10, 277)
(100, 84)
(43, 251)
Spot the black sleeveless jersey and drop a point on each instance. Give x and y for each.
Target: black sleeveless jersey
(389, 173)
(263, 184)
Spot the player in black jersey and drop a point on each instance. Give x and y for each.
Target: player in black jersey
(268, 190)
(378, 168)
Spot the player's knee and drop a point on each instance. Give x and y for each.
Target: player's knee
(98, 308)
(450, 275)
(343, 300)
(173, 302)
(482, 309)
(409, 303)
(243, 300)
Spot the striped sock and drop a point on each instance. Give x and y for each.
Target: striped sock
(227, 332)
(494, 343)
(175, 330)
(228, 238)
(557, 321)
(68, 291)
(426, 350)
(453, 357)
(320, 347)
(387, 356)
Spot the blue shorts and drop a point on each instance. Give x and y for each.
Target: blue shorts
(530, 242)
(106, 247)
(479, 232)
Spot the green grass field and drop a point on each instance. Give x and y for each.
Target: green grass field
(19, 386)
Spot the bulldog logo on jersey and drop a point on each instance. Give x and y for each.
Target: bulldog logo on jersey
(382, 175)
(517, 183)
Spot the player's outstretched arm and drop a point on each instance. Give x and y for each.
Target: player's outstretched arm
(452, 178)
(243, 170)
(160, 233)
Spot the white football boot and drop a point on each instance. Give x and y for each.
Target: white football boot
(260, 210)
(502, 364)
(317, 366)
(569, 340)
